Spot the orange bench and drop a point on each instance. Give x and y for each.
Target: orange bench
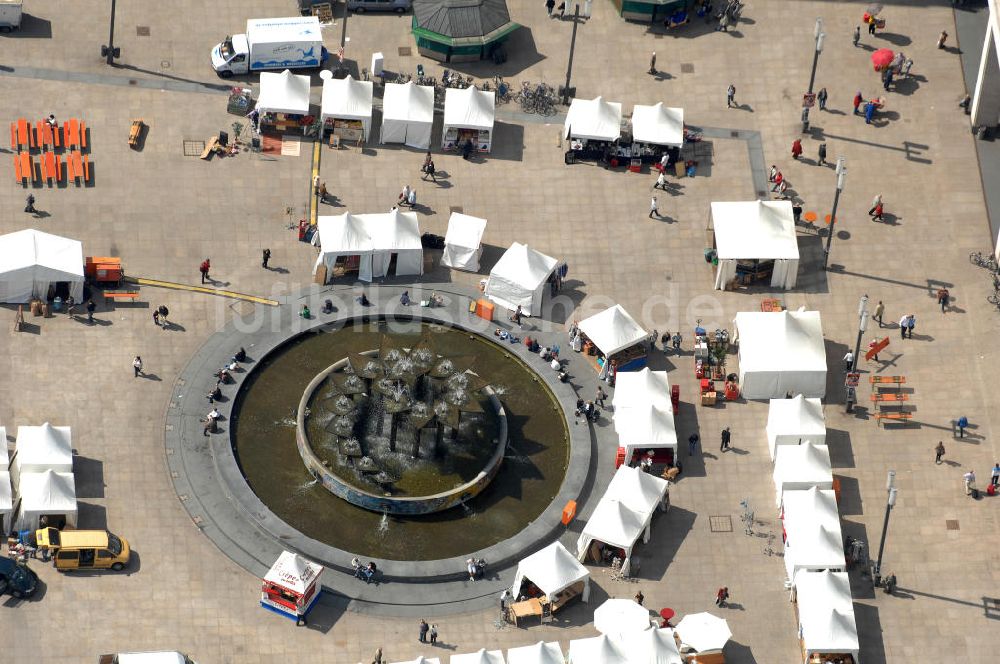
(883, 380)
(24, 167)
(898, 417)
(113, 295)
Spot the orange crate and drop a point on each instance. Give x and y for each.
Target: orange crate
(484, 309)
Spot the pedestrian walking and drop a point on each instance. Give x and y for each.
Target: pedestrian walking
(995, 475)
(434, 634)
(164, 312)
(782, 188)
(872, 345)
(970, 482)
(676, 341)
(796, 148)
(424, 627)
(962, 422)
(911, 322)
(562, 10)
(887, 81)
(778, 179)
(773, 173)
(877, 213)
(404, 195)
(692, 443)
(721, 596)
(848, 360)
(869, 112)
(871, 25)
(70, 306)
(639, 597)
(323, 193)
(204, 268)
(726, 437)
(136, 366)
(857, 34)
(653, 210)
(156, 317)
(939, 452)
(549, 6)
(875, 202)
(821, 97)
(601, 396)
(902, 326)
(906, 67)
(377, 659)
(90, 311)
(857, 101)
(877, 315)
(429, 169)
(723, 22)
(731, 96)
(652, 64)
(29, 204)
(661, 181)
(942, 38)
(822, 154)
(942, 298)
(265, 256)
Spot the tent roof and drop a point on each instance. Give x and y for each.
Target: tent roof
(422, 660)
(552, 569)
(60, 257)
(804, 463)
(781, 341)
(594, 119)
(621, 617)
(483, 656)
(47, 491)
(638, 388)
(464, 230)
(539, 653)
(645, 425)
(44, 445)
(283, 93)
(826, 611)
(613, 330)
(798, 416)
(615, 524)
(461, 18)
(469, 107)
(6, 492)
(294, 572)
(597, 650)
(659, 124)
(812, 526)
(344, 233)
(755, 229)
(4, 452)
(811, 506)
(653, 646)
(524, 266)
(408, 101)
(636, 489)
(363, 233)
(347, 98)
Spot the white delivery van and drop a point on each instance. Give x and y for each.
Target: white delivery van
(10, 15)
(271, 43)
(161, 657)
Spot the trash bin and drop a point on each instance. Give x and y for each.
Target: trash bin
(570, 157)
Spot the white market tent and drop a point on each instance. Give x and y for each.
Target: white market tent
(4, 453)
(293, 572)
(621, 618)
(654, 646)
(553, 569)
(375, 239)
(704, 632)
(41, 448)
(616, 525)
(613, 330)
(483, 656)
(283, 93)
(659, 124)
(407, 114)
(469, 108)
(539, 653)
(826, 614)
(347, 99)
(645, 427)
(597, 650)
(6, 501)
(639, 388)
(31, 261)
(463, 242)
(422, 660)
(801, 467)
(781, 352)
(49, 494)
(794, 421)
(520, 278)
(756, 230)
(812, 531)
(594, 120)
(637, 490)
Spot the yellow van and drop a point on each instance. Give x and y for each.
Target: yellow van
(84, 549)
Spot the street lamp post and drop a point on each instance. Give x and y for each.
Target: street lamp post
(109, 51)
(890, 487)
(841, 174)
(819, 36)
(862, 326)
(566, 91)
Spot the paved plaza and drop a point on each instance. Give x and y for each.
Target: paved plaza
(164, 212)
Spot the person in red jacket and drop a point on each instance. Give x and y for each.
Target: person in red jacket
(205, 266)
(778, 179)
(857, 101)
(796, 148)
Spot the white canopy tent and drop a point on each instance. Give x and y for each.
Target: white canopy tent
(463, 242)
(597, 650)
(704, 632)
(637, 490)
(613, 330)
(469, 108)
(6, 501)
(794, 421)
(375, 239)
(407, 114)
(4, 453)
(421, 660)
(616, 525)
(645, 427)
(593, 120)
(520, 278)
(634, 389)
(654, 646)
(826, 614)
(293, 572)
(801, 467)
(621, 617)
(483, 656)
(658, 124)
(781, 352)
(539, 653)
(48, 494)
(756, 230)
(283, 93)
(812, 531)
(553, 569)
(347, 99)
(41, 448)
(31, 261)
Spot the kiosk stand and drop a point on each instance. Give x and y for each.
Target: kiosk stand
(291, 587)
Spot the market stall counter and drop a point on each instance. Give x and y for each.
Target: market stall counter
(613, 340)
(468, 119)
(283, 103)
(347, 108)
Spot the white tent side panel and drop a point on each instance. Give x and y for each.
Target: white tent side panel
(463, 242)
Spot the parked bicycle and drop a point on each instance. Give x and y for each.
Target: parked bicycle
(994, 298)
(987, 261)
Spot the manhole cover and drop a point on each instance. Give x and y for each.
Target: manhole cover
(951, 524)
(193, 148)
(405, 50)
(132, 81)
(164, 64)
(720, 524)
(142, 31)
(735, 133)
(687, 68)
(456, 208)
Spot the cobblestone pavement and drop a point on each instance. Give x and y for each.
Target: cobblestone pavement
(164, 212)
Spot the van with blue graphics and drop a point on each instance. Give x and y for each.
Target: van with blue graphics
(271, 43)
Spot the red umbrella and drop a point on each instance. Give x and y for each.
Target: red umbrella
(882, 57)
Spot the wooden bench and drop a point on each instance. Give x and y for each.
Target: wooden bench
(889, 397)
(887, 380)
(135, 133)
(24, 167)
(898, 417)
(115, 295)
(210, 147)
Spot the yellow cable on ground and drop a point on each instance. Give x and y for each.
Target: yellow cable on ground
(201, 289)
(313, 198)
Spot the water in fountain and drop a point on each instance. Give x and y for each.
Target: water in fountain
(383, 525)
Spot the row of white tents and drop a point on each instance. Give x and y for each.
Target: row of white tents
(42, 473)
(781, 353)
(600, 120)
